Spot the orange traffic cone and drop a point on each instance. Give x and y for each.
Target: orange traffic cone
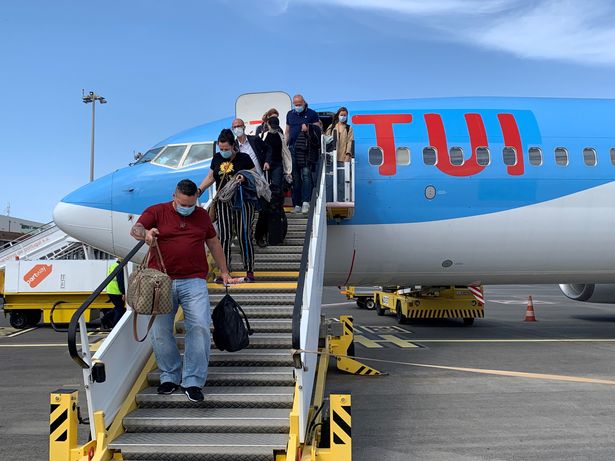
(529, 313)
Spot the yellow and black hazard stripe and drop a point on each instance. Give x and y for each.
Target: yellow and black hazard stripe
(62, 423)
(341, 425)
(367, 371)
(446, 313)
(58, 420)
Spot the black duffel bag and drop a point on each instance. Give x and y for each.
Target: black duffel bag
(230, 332)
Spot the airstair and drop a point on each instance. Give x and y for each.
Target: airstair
(46, 242)
(261, 403)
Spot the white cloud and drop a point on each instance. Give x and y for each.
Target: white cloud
(564, 30)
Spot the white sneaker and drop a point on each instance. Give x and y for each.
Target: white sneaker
(305, 208)
(297, 209)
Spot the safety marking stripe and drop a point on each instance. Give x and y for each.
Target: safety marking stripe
(342, 432)
(521, 374)
(446, 313)
(57, 422)
(547, 340)
(20, 332)
(404, 343)
(54, 407)
(363, 341)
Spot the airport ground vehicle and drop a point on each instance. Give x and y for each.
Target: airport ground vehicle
(50, 290)
(364, 296)
(431, 303)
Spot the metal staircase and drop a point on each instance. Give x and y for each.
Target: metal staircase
(248, 394)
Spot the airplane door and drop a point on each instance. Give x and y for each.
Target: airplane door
(250, 107)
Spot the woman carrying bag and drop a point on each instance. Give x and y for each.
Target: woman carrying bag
(224, 168)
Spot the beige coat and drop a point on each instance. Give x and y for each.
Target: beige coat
(345, 138)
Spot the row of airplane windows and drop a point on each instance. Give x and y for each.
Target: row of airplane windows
(483, 156)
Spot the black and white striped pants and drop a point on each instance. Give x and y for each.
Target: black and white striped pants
(231, 221)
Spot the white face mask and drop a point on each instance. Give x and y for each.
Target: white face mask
(238, 131)
(343, 118)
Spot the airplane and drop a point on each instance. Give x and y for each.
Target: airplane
(448, 191)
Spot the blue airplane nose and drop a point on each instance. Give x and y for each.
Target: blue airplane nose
(85, 214)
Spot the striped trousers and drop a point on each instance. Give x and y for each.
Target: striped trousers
(231, 221)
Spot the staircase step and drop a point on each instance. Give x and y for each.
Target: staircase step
(257, 325)
(291, 241)
(251, 357)
(240, 376)
(257, 341)
(251, 299)
(221, 396)
(271, 276)
(199, 446)
(277, 249)
(218, 420)
(254, 287)
(269, 257)
(267, 312)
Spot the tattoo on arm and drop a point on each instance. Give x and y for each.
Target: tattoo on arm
(138, 231)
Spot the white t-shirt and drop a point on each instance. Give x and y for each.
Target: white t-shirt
(246, 148)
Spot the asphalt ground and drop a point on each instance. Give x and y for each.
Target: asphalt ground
(464, 412)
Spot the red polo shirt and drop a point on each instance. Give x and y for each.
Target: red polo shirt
(181, 239)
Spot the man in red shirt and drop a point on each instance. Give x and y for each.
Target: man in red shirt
(181, 230)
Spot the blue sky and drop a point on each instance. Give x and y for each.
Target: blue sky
(166, 66)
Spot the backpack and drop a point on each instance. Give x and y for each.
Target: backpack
(230, 332)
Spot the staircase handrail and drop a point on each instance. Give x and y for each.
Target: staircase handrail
(296, 324)
(74, 321)
(28, 235)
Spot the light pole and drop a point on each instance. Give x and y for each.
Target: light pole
(92, 97)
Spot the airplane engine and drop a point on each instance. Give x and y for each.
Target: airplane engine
(590, 292)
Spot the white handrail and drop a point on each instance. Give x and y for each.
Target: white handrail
(311, 306)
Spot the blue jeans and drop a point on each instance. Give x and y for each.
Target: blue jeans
(193, 296)
(302, 184)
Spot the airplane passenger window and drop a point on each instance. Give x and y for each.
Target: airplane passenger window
(456, 156)
(589, 156)
(561, 156)
(199, 153)
(612, 156)
(510, 156)
(402, 155)
(429, 156)
(535, 154)
(483, 156)
(170, 156)
(375, 156)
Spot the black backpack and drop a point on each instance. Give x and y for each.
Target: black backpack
(230, 332)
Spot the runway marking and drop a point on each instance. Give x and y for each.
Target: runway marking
(547, 340)
(387, 339)
(9, 332)
(518, 301)
(382, 329)
(520, 374)
(338, 304)
(403, 343)
(35, 345)
(363, 341)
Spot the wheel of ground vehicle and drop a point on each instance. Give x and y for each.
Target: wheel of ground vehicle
(34, 316)
(360, 303)
(468, 321)
(370, 304)
(379, 309)
(401, 318)
(19, 319)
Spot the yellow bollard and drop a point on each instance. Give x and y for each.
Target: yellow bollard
(62, 424)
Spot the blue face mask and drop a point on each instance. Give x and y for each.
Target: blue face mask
(226, 153)
(299, 109)
(185, 210)
(343, 118)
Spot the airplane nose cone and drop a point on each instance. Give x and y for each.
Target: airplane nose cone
(85, 214)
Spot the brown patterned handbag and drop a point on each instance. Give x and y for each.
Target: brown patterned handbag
(149, 291)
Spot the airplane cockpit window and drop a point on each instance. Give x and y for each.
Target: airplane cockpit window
(535, 155)
(429, 156)
(483, 156)
(170, 156)
(375, 156)
(510, 156)
(456, 156)
(402, 156)
(561, 156)
(612, 156)
(199, 153)
(149, 155)
(589, 156)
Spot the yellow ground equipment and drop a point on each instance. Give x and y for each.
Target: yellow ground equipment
(431, 303)
(364, 296)
(50, 290)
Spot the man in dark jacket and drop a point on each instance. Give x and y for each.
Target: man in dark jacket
(258, 150)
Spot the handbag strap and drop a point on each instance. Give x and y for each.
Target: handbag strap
(245, 317)
(134, 326)
(155, 244)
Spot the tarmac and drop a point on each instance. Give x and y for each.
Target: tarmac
(503, 389)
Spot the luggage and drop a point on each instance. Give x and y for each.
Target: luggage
(272, 223)
(230, 332)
